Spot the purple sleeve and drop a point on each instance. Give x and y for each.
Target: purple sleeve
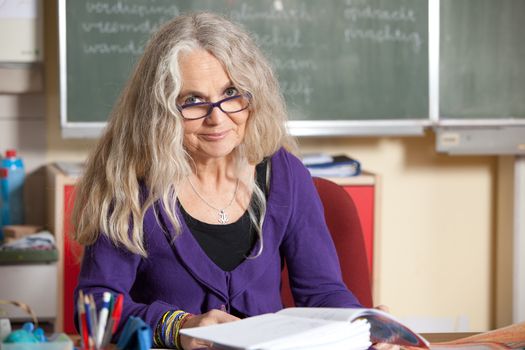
(311, 258)
(108, 268)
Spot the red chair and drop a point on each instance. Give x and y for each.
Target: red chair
(345, 227)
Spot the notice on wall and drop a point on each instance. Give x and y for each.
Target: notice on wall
(20, 31)
(16, 9)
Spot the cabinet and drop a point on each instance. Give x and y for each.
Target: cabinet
(60, 202)
(363, 189)
(18, 283)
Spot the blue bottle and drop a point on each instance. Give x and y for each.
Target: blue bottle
(12, 189)
(3, 194)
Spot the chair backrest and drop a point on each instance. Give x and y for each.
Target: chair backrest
(345, 227)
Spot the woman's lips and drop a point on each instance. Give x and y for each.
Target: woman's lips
(215, 136)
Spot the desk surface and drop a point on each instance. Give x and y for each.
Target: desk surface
(442, 337)
(431, 337)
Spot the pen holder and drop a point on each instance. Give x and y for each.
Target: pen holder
(136, 335)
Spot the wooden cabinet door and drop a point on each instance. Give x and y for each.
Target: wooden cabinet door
(72, 258)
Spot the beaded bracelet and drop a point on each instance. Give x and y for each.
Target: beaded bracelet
(179, 326)
(167, 330)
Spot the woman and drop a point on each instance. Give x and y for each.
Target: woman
(191, 201)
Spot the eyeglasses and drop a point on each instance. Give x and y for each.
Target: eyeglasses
(233, 104)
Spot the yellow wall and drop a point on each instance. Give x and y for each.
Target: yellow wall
(434, 252)
(435, 247)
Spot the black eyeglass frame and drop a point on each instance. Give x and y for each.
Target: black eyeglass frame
(212, 105)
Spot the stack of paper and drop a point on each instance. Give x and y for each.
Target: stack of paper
(282, 332)
(316, 158)
(339, 166)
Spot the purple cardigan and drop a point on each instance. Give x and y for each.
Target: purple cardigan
(178, 274)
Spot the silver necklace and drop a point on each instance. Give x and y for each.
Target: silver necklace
(223, 216)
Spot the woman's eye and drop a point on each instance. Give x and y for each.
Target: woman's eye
(231, 92)
(190, 100)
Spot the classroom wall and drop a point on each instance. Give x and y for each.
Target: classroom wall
(436, 253)
(22, 124)
(434, 245)
(23, 127)
(435, 256)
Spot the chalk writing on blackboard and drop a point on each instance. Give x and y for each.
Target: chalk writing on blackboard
(385, 28)
(335, 60)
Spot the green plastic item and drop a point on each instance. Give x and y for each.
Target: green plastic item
(27, 256)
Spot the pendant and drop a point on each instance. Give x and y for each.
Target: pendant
(223, 217)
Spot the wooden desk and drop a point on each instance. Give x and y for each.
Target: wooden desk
(442, 337)
(431, 337)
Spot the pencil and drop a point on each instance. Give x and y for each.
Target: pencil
(82, 320)
(93, 314)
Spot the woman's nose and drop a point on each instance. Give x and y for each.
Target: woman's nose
(215, 116)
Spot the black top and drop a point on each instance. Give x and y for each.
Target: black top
(227, 245)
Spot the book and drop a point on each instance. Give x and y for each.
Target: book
(309, 328)
(316, 158)
(340, 166)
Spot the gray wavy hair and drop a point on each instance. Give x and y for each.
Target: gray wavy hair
(143, 142)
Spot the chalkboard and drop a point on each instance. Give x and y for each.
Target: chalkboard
(340, 63)
(482, 66)
(351, 60)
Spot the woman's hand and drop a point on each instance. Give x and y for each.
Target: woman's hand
(207, 319)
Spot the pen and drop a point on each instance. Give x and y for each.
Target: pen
(111, 304)
(91, 310)
(93, 314)
(102, 319)
(107, 333)
(117, 312)
(113, 321)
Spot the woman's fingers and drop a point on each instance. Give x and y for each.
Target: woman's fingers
(207, 319)
(385, 346)
(383, 308)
